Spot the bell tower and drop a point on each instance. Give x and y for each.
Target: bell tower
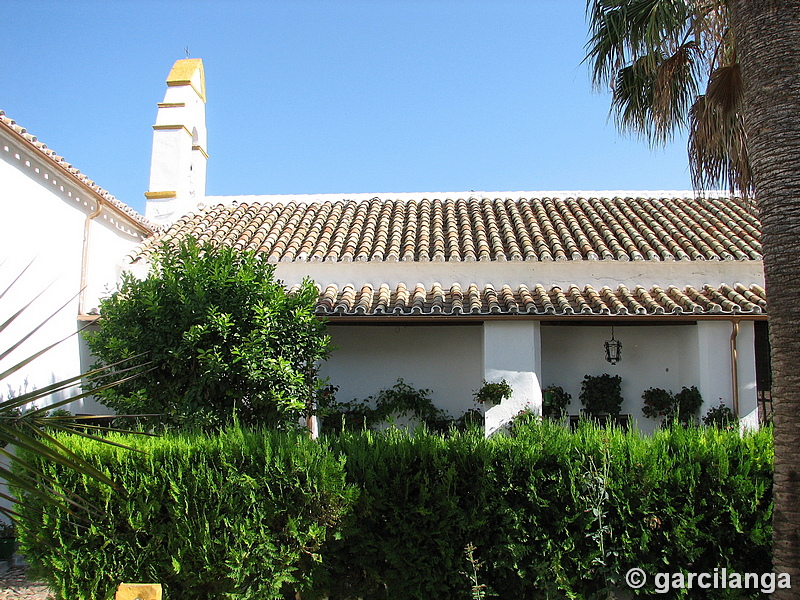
(178, 163)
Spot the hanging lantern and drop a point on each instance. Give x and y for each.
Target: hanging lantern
(613, 349)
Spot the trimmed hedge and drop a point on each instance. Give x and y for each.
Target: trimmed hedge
(235, 515)
(552, 514)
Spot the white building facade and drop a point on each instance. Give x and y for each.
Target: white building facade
(443, 290)
(66, 237)
(446, 290)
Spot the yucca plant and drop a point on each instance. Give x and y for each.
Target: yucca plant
(29, 430)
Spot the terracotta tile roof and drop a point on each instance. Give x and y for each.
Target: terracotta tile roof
(483, 229)
(50, 155)
(458, 299)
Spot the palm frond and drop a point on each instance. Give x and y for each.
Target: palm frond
(7, 407)
(658, 55)
(674, 91)
(31, 432)
(607, 49)
(623, 32)
(632, 100)
(717, 139)
(11, 285)
(657, 25)
(27, 336)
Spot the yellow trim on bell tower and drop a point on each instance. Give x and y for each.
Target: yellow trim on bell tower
(189, 71)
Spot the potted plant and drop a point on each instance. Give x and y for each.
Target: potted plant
(601, 395)
(554, 402)
(658, 403)
(493, 393)
(8, 540)
(687, 404)
(720, 416)
(682, 407)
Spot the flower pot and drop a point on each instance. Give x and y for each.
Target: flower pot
(7, 547)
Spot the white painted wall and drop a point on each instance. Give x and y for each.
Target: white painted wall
(42, 218)
(668, 357)
(652, 356)
(108, 246)
(445, 359)
(453, 361)
(36, 225)
(596, 273)
(746, 366)
(714, 340)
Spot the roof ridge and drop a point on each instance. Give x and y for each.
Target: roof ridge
(307, 198)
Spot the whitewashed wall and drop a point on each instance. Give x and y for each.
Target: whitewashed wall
(445, 359)
(667, 357)
(35, 225)
(453, 360)
(714, 342)
(512, 351)
(42, 218)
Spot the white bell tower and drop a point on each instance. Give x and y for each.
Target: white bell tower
(178, 164)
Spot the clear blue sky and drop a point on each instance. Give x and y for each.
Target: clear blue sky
(329, 96)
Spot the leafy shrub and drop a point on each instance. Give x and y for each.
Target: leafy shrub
(524, 418)
(601, 394)
(493, 392)
(223, 336)
(405, 401)
(720, 416)
(554, 402)
(682, 407)
(687, 403)
(658, 403)
(239, 514)
(551, 514)
(354, 415)
(7, 530)
(23, 425)
(421, 496)
(471, 419)
(400, 400)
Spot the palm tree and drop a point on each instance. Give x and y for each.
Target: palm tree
(744, 132)
(658, 56)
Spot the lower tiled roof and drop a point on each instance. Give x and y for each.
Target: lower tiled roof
(458, 299)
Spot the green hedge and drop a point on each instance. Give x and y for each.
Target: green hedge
(238, 515)
(552, 514)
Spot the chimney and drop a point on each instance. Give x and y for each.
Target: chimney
(178, 164)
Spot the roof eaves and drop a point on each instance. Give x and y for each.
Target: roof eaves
(119, 207)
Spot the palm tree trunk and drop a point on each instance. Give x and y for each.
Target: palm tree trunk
(767, 34)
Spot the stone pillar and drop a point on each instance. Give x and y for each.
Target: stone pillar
(512, 350)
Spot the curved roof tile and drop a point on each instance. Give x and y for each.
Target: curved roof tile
(472, 229)
(620, 302)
